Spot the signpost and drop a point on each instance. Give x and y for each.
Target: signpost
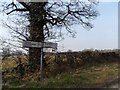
(41, 45)
(41, 61)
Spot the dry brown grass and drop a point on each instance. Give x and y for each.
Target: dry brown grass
(66, 70)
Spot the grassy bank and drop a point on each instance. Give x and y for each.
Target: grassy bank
(80, 78)
(68, 69)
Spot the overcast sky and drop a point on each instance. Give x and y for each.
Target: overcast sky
(104, 35)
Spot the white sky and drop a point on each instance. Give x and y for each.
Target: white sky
(104, 35)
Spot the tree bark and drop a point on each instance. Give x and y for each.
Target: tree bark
(37, 22)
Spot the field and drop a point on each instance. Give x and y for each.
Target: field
(64, 70)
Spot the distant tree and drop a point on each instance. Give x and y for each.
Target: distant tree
(42, 17)
(88, 49)
(6, 53)
(69, 50)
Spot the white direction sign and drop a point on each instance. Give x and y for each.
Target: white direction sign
(39, 44)
(50, 45)
(30, 44)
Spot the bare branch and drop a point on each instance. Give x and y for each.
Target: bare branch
(17, 31)
(24, 4)
(23, 10)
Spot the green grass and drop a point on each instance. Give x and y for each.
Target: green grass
(81, 77)
(86, 76)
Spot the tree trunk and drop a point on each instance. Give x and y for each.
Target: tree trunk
(37, 22)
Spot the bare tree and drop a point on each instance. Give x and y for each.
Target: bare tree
(42, 17)
(5, 52)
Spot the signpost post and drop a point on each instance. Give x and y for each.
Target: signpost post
(41, 45)
(41, 61)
